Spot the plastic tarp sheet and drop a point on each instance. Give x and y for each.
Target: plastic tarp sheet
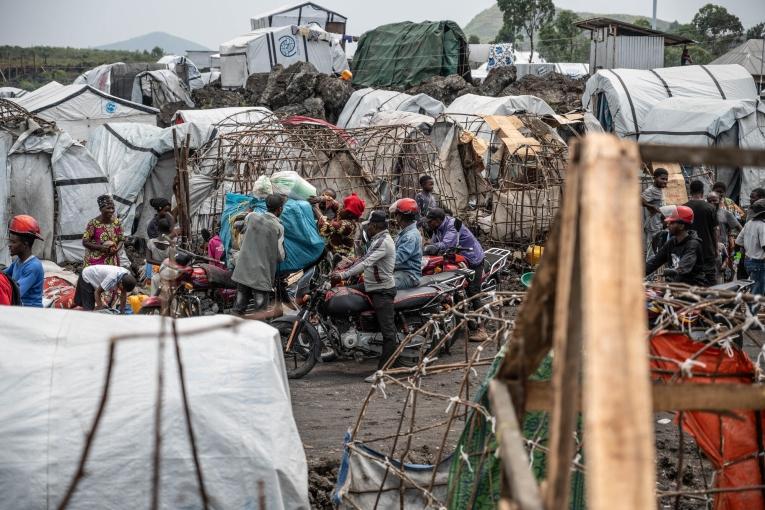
(77, 109)
(305, 12)
(302, 243)
(53, 368)
(631, 93)
(217, 115)
(163, 87)
(364, 103)
(99, 77)
(471, 104)
(38, 164)
(11, 92)
(260, 50)
(729, 440)
(194, 76)
(406, 54)
(6, 141)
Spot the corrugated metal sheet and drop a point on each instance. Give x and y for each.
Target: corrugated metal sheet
(625, 52)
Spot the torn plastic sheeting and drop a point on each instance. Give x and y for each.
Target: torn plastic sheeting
(729, 440)
(53, 369)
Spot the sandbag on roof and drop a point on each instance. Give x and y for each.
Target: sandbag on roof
(622, 98)
(79, 108)
(54, 365)
(366, 102)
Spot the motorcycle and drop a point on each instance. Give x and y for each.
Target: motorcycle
(196, 288)
(339, 322)
(495, 262)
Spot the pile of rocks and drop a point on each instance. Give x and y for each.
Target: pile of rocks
(562, 93)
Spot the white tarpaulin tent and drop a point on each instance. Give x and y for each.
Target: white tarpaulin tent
(260, 50)
(622, 98)
(56, 180)
(364, 103)
(160, 88)
(297, 14)
(217, 115)
(53, 369)
(471, 104)
(139, 162)
(78, 108)
(11, 92)
(712, 122)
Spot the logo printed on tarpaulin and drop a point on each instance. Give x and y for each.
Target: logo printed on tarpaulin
(110, 107)
(288, 46)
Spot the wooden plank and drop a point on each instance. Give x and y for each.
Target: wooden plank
(616, 383)
(567, 346)
(675, 192)
(693, 155)
(668, 397)
(515, 462)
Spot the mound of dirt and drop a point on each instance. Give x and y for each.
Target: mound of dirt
(444, 88)
(562, 93)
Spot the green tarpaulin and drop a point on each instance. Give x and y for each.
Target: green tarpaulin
(406, 54)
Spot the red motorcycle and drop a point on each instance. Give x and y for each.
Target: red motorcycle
(495, 261)
(197, 288)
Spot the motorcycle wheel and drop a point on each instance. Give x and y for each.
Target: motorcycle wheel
(301, 358)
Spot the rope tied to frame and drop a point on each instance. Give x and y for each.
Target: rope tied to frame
(686, 367)
(425, 362)
(379, 384)
(452, 400)
(466, 458)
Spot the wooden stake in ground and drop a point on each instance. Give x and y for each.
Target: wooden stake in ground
(616, 383)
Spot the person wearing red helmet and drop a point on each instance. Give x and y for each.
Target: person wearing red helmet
(408, 268)
(26, 270)
(682, 253)
(340, 231)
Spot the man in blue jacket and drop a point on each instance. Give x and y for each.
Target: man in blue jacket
(449, 233)
(408, 269)
(26, 269)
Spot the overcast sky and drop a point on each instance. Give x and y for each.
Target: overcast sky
(85, 23)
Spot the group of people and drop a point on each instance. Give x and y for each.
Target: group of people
(697, 242)
(387, 265)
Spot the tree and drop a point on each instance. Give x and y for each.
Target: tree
(525, 16)
(157, 52)
(473, 39)
(562, 41)
(717, 27)
(642, 22)
(756, 32)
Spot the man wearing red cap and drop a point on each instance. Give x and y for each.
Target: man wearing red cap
(26, 269)
(340, 232)
(682, 253)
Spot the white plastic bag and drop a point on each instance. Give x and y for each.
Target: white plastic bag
(291, 184)
(262, 187)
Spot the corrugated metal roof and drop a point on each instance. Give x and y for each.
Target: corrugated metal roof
(631, 30)
(748, 55)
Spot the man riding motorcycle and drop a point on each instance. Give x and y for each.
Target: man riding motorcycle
(449, 233)
(682, 252)
(408, 269)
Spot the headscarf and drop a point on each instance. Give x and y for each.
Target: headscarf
(104, 200)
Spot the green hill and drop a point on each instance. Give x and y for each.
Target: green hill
(487, 23)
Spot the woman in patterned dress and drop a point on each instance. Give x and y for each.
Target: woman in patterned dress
(103, 236)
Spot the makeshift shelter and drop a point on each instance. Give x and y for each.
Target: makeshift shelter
(301, 14)
(233, 388)
(160, 88)
(139, 162)
(621, 98)
(11, 92)
(712, 122)
(749, 55)
(186, 70)
(570, 69)
(117, 78)
(260, 50)
(218, 115)
(48, 175)
(77, 109)
(406, 54)
(364, 103)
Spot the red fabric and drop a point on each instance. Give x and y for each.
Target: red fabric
(6, 290)
(60, 291)
(354, 205)
(729, 440)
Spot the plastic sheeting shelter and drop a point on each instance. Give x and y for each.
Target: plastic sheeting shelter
(260, 50)
(712, 122)
(56, 180)
(365, 103)
(406, 54)
(218, 115)
(622, 98)
(471, 104)
(11, 92)
(139, 162)
(54, 367)
(77, 109)
(161, 88)
(301, 14)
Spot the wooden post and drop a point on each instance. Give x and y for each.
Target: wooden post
(616, 383)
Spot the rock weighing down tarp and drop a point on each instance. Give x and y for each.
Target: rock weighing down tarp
(53, 370)
(406, 54)
(622, 98)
